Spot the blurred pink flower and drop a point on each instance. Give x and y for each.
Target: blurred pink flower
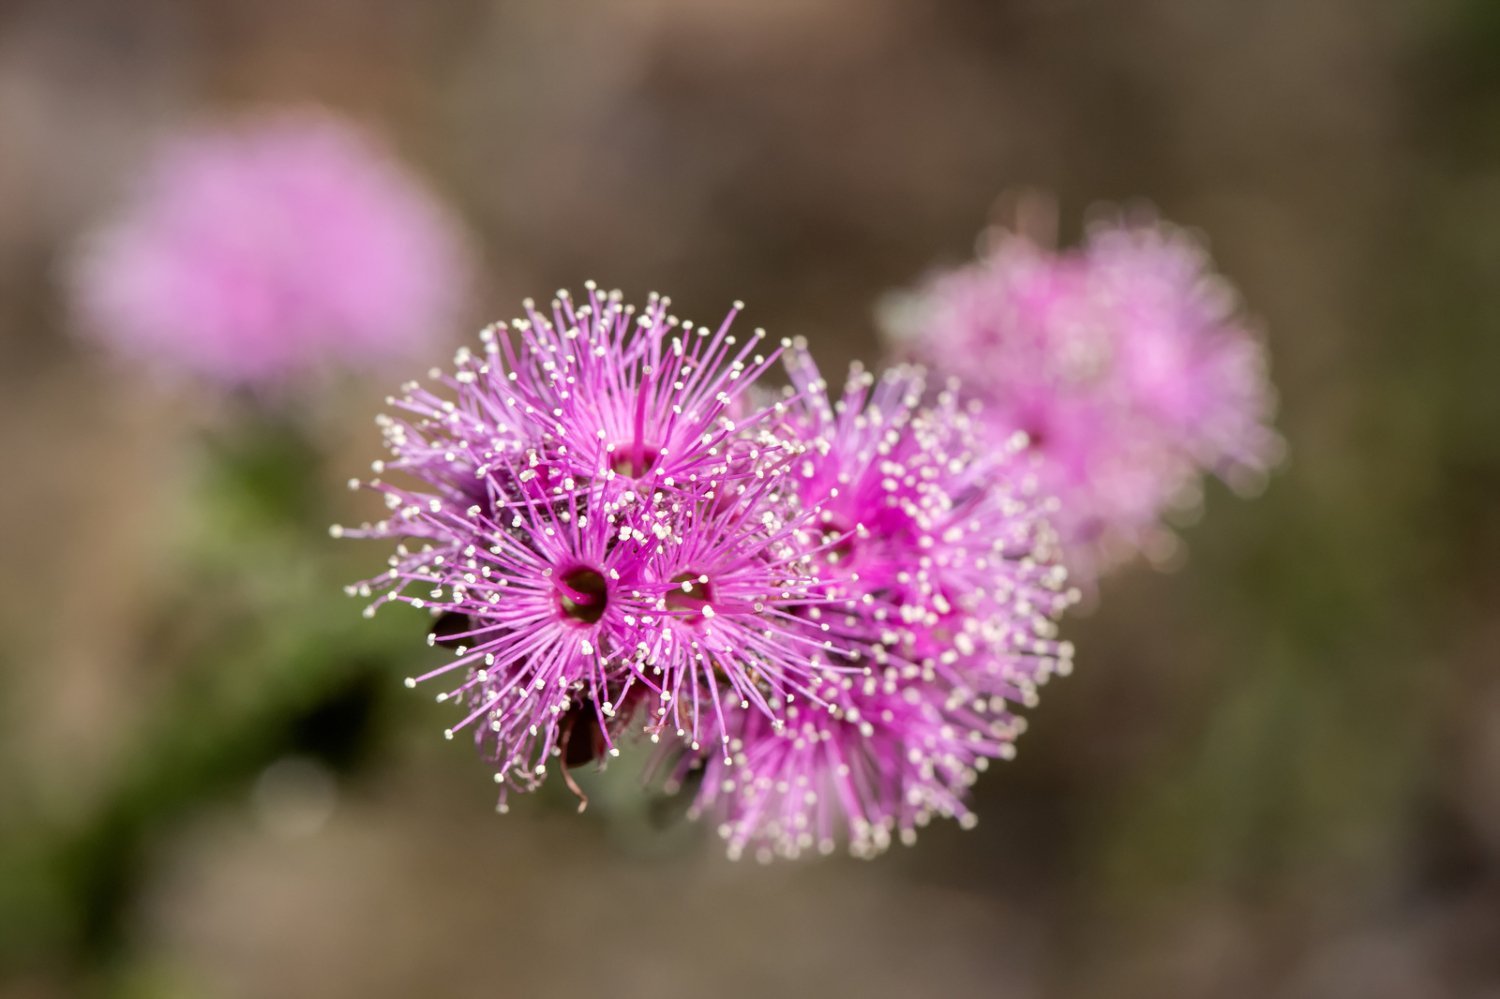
(1126, 362)
(255, 252)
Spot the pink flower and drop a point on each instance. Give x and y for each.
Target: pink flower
(605, 540)
(938, 542)
(1125, 362)
(829, 606)
(256, 252)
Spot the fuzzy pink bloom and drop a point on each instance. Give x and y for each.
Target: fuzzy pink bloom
(601, 541)
(1188, 358)
(938, 541)
(1125, 361)
(255, 252)
(830, 606)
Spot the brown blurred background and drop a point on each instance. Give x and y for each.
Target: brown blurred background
(1276, 771)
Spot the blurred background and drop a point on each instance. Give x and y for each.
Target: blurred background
(1276, 771)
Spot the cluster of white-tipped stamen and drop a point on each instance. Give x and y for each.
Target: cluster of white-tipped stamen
(831, 607)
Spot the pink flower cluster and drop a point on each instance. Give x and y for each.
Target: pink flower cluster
(1127, 364)
(830, 604)
(254, 253)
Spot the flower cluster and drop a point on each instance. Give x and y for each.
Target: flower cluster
(252, 253)
(828, 607)
(1124, 361)
(943, 549)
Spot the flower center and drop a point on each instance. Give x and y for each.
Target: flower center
(1037, 423)
(582, 594)
(838, 536)
(634, 460)
(689, 595)
(1037, 437)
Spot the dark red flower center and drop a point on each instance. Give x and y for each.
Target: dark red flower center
(838, 539)
(582, 594)
(689, 595)
(634, 462)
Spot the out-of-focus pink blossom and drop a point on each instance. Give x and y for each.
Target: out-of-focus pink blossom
(258, 251)
(1127, 363)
